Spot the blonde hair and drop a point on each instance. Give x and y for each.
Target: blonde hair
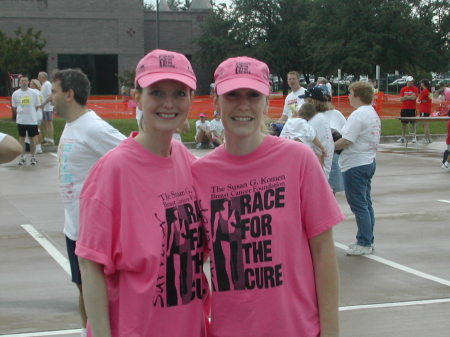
(362, 90)
(36, 83)
(321, 106)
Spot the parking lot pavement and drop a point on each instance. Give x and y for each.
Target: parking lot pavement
(402, 290)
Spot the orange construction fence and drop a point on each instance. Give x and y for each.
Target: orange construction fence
(118, 107)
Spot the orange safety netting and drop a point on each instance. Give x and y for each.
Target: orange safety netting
(118, 107)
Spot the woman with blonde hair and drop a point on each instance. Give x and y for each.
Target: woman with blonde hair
(268, 214)
(141, 242)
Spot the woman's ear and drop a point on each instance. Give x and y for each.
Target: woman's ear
(216, 104)
(266, 110)
(137, 97)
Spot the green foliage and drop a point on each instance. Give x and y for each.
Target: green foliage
(127, 78)
(389, 127)
(20, 53)
(320, 36)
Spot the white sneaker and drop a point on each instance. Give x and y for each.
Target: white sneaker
(356, 249)
(355, 244)
(414, 140)
(401, 140)
(22, 161)
(446, 166)
(211, 145)
(33, 161)
(39, 148)
(198, 146)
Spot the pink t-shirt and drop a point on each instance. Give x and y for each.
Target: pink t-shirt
(260, 211)
(140, 218)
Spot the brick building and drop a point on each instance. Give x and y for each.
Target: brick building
(106, 37)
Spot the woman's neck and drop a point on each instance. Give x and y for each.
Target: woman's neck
(240, 146)
(158, 143)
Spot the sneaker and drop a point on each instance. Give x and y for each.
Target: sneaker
(33, 161)
(355, 244)
(39, 148)
(401, 140)
(22, 161)
(446, 166)
(356, 249)
(430, 140)
(414, 140)
(211, 145)
(198, 146)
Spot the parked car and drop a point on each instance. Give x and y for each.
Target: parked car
(399, 81)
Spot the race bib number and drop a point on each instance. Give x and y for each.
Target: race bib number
(25, 100)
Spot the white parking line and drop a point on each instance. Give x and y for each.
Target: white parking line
(345, 308)
(446, 201)
(394, 304)
(400, 267)
(45, 333)
(47, 245)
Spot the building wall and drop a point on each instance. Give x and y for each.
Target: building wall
(81, 27)
(119, 27)
(178, 31)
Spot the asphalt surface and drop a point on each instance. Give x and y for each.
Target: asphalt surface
(402, 290)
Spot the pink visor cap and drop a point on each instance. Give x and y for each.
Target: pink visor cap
(161, 65)
(242, 72)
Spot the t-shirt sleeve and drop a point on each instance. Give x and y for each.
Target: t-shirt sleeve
(103, 137)
(286, 108)
(352, 129)
(98, 238)
(319, 208)
(13, 100)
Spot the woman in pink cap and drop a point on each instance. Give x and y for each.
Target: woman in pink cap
(268, 212)
(141, 243)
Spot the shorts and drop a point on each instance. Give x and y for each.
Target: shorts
(47, 115)
(407, 113)
(424, 114)
(73, 259)
(23, 129)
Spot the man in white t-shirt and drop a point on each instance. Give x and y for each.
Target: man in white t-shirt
(47, 108)
(203, 132)
(9, 148)
(25, 102)
(86, 137)
(217, 130)
(360, 139)
(292, 101)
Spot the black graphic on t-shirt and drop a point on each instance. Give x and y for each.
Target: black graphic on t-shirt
(180, 278)
(241, 239)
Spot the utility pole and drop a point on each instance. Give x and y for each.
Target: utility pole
(157, 24)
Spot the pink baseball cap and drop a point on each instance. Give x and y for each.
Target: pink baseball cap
(242, 72)
(202, 115)
(161, 65)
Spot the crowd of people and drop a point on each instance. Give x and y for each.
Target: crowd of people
(142, 214)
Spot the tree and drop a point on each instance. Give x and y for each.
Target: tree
(320, 36)
(20, 53)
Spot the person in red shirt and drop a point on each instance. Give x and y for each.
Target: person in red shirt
(424, 101)
(408, 96)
